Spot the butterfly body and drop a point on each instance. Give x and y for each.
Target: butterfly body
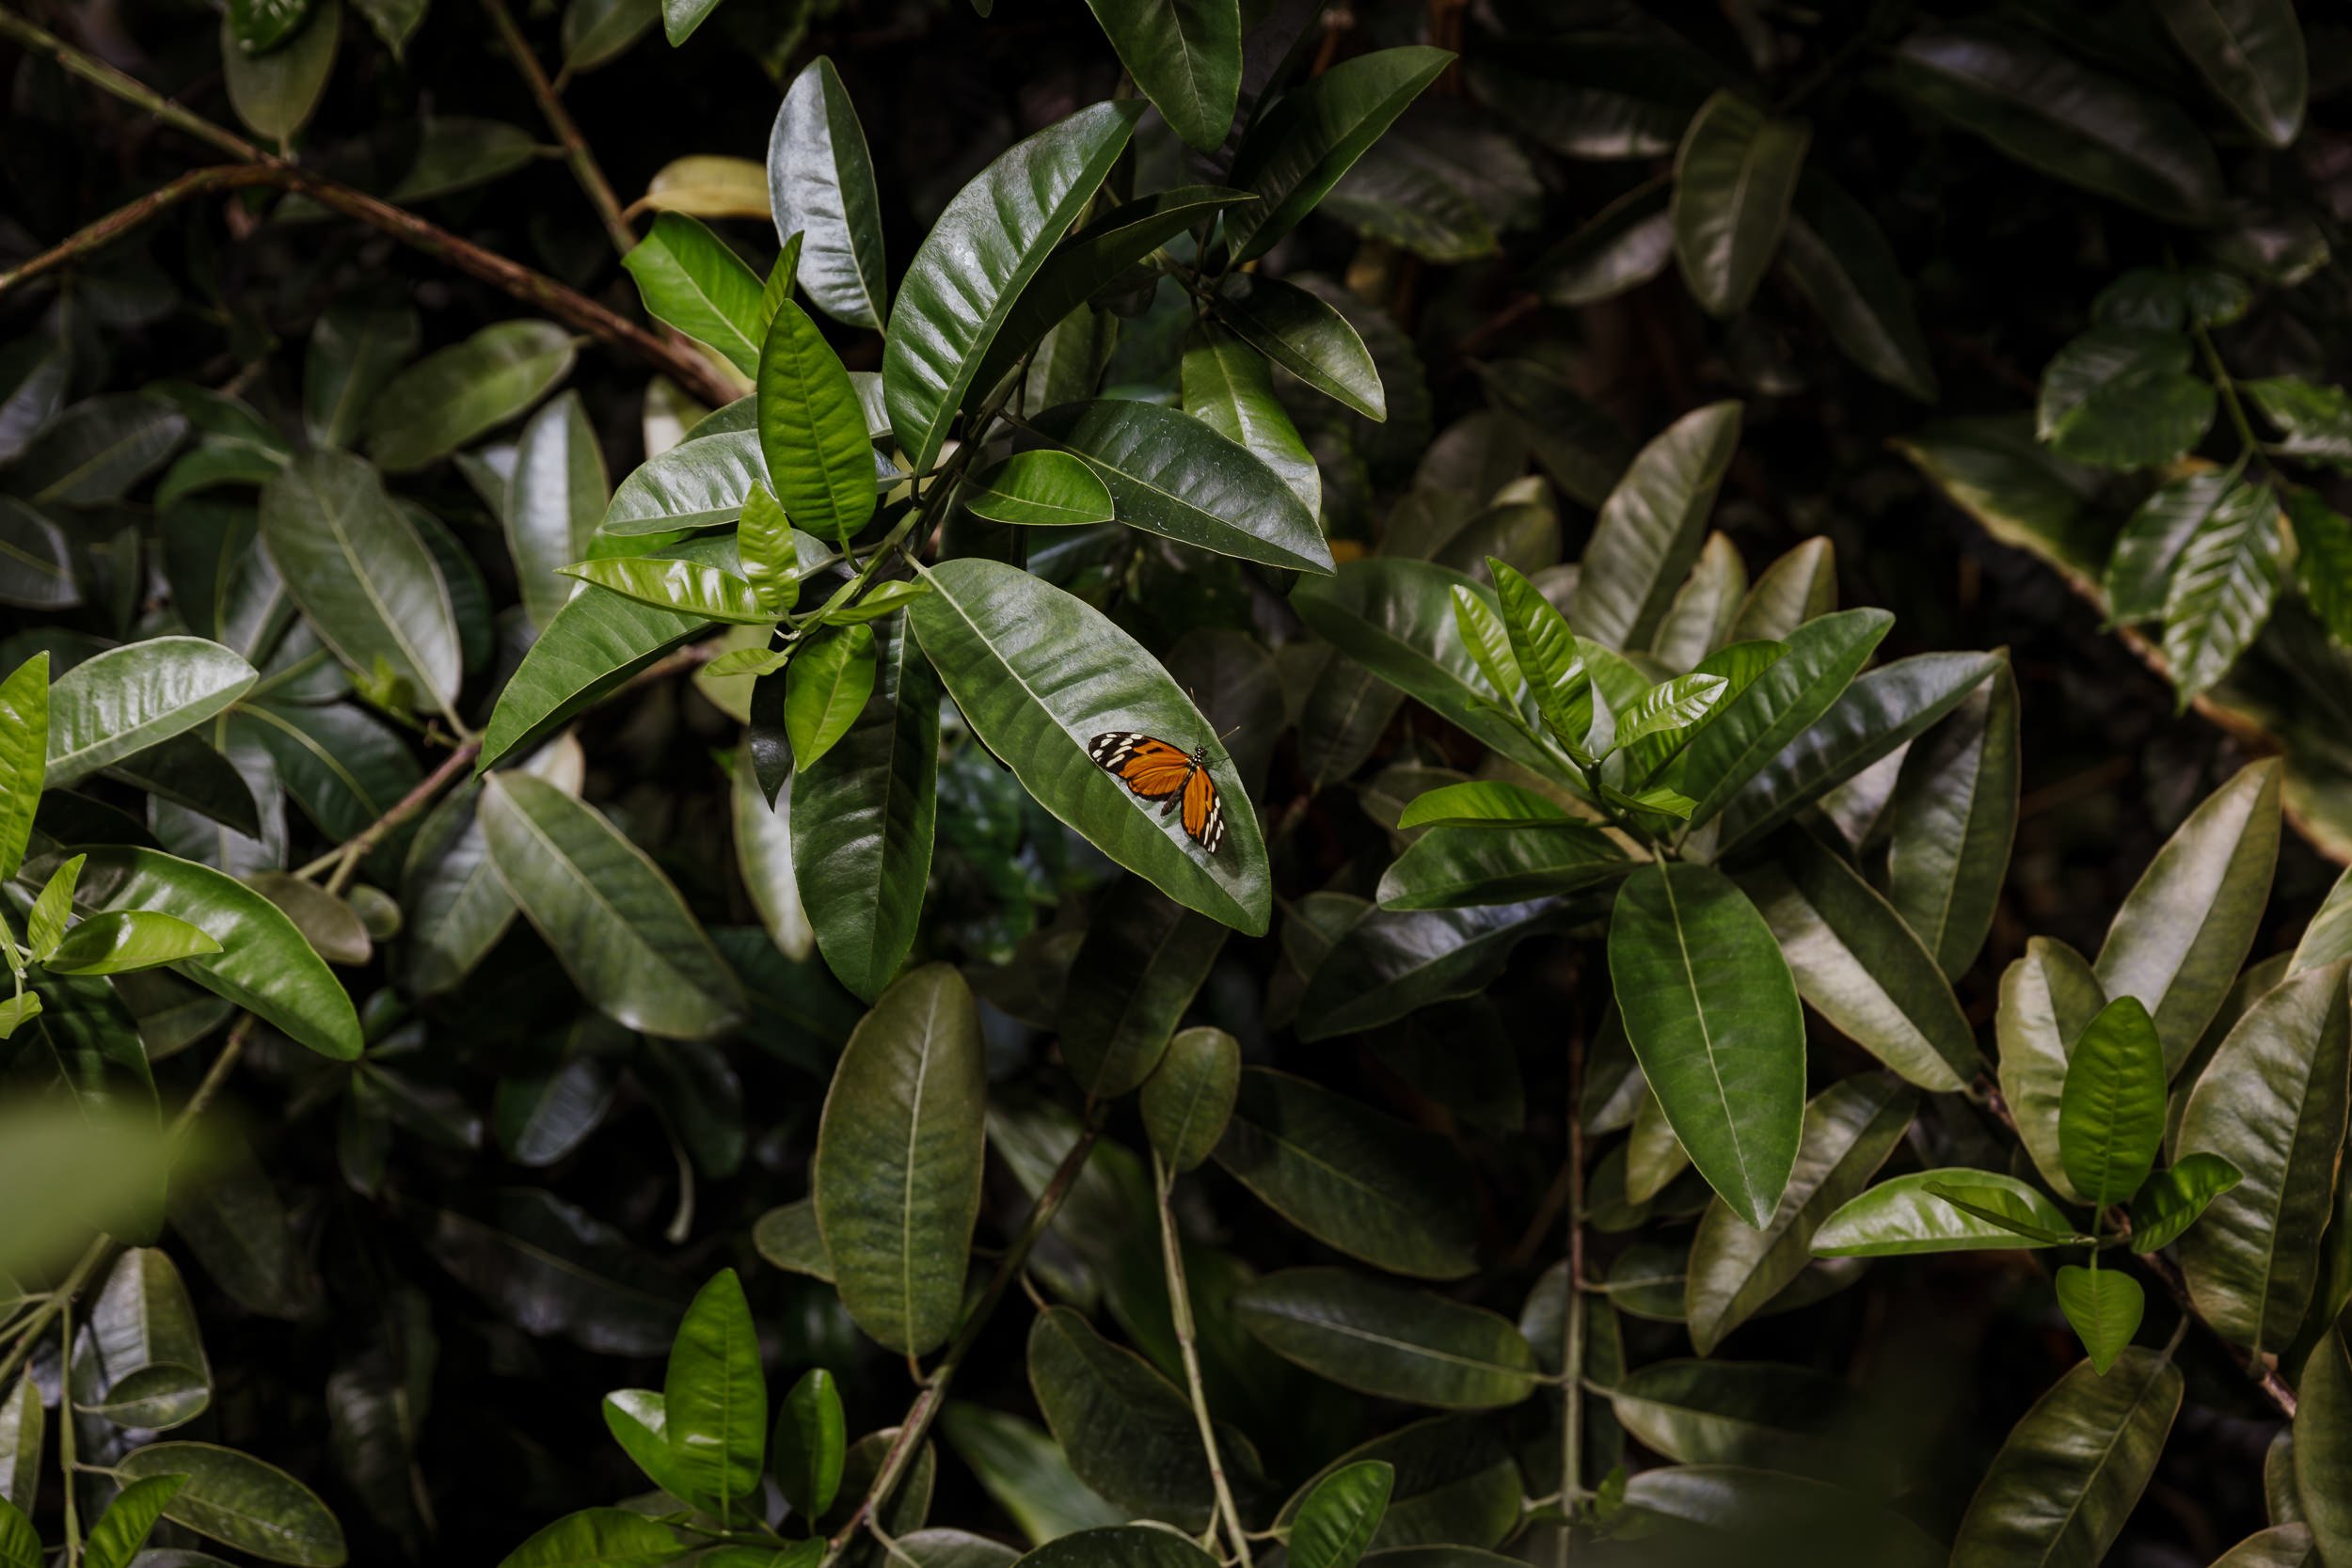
(1156, 769)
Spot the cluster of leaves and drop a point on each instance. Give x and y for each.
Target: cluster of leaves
(483, 804)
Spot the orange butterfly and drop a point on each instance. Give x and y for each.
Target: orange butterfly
(1157, 771)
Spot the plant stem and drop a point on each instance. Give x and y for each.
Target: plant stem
(1180, 1310)
(1572, 1330)
(933, 1393)
(128, 89)
(65, 1438)
(585, 167)
(346, 858)
(2227, 385)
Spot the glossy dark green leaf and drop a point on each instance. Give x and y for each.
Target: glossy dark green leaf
(2036, 104)
(1468, 865)
(1041, 489)
(1735, 176)
(1126, 1546)
(898, 1175)
(1840, 260)
(1134, 978)
(363, 577)
(1375, 1188)
(1305, 336)
(554, 499)
(2223, 586)
(612, 918)
(1721, 1041)
(1389, 1341)
(1190, 1094)
(597, 1538)
(2111, 1108)
(148, 1344)
(826, 688)
(346, 766)
(986, 246)
(21, 1424)
(691, 280)
(1185, 56)
(2181, 935)
(1298, 148)
(820, 186)
(2049, 998)
(811, 1441)
(1955, 814)
(1392, 962)
(2139, 572)
(2323, 561)
(2323, 1446)
(715, 1402)
(242, 1503)
(1229, 386)
(1171, 475)
(1455, 1482)
(1873, 716)
(1651, 527)
(265, 965)
(998, 638)
(1736, 1268)
(862, 817)
(1900, 1216)
(1578, 445)
(1622, 246)
(1338, 1519)
(1757, 726)
(2122, 397)
(2271, 1102)
(457, 152)
(354, 350)
(451, 396)
(127, 699)
(2250, 52)
(1747, 1413)
(2073, 1467)
(1129, 1433)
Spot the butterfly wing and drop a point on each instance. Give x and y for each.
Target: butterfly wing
(1204, 813)
(1148, 766)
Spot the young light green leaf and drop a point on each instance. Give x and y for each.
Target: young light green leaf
(2049, 998)
(115, 1540)
(812, 430)
(127, 940)
(690, 588)
(812, 1437)
(826, 688)
(1904, 1216)
(1341, 1514)
(898, 1153)
(2111, 1112)
(1041, 489)
(2106, 1307)
(597, 1538)
(23, 756)
(1229, 386)
(715, 1402)
(2174, 1199)
(1479, 801)
(691, 278)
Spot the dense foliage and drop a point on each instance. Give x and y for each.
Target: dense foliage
(1397, 784)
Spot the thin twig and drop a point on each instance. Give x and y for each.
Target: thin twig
(584, 167)
(1180, 1312)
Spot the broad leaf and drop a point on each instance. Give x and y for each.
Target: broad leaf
(2049, 998)
(1305, 336)
(1651, 527)
(2250, 52)
(2223, 586)
(1130, 983)
(1905, 1215)
(1389, 1341)
(2323, 1446)
(826, 688)
(2104, 1308)
(898, 1168)
(1755, 727)
(1229, 386)
(130, 698)
(242, 1502)
(1955, 814)
(1298, 148)
(1185, 56)
(2176, 1196)
(820, 185)
(812, 430)
(689, 278)
(1041, 489)
(1189, 1096)
(554, 499)
(2111, 1110)
(448, 397)
(1735, 176)
(1130, 1435)
(1338, 1519)
(715, 1402)
(811, 1441)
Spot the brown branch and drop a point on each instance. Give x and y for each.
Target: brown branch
(573, 308)
(584, 167)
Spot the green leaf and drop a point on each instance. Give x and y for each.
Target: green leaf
(276, 94)
(36, 568)
(1484, 864)
(242, 1503)
(2323, 1446)
(2223, 588)
(1298, 148)
(21, 1423)
(690, 588)
(2172, 1202)
(639, 1420)
(1171, 475)
(1338, 1519)
(826, 688)
(987, 244)
(149, 1346)
(1721, 1041)
(1389, 963)
(1455, 1482)
(1130, 1435)
(1651, 527)
(1955, 815)
(130, 698)
(771, 559)
(96, 450)
(2049, 998)
(812, 430)
(2181, 934)
(1746, 1413)
(456, 154)
(260, 25)
(1387, 1340)
(1671, 707)
(44, 926)
(1840, 260)
(692, 279)
(812, 1437)
(1134, 978)
(820, 185)
(790, 1239)
(1861, 967)
(1579, 446)
(128, 940)
(457, 910)
(1125, 1545)
(265, 965)
(2282, 1547)
(1870, 718)
(2139, 572)
(715, 1402)
(452, 395)
(1737, 1267)
(1000, 639)
(2323, 546)
(2104, 1308)
(2124, 397)
(1189, 1096)
(2250, 52)
(2040, 107)
(614, 922)
(353, 351)
(1735, 176)
(898, 1175)
(2111, 1111)
(2272, 1103)
(1375, 1188)
(1229, 386)
(361, 573)
(597, 1538)
(121, 1530)
(2073, 1467)
(1479, 801)
(1041, 489)
(554, 499)
(1943, 1211)
(2317, 419)
(1545, 654)
(23, 756)
(20, 1542)
(1305, 336)
(863, 820)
